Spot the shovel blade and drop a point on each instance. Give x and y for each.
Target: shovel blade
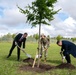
(29, 56)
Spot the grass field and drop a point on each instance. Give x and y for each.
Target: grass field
(11, 66)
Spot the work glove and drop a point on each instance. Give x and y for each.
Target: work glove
(39, 56)
(63, 57)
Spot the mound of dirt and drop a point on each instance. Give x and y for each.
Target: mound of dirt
(43, 67)
(65, 65)
(40, 69)
(28, 60)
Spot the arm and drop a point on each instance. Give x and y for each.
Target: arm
(61, 52)
(64, 48)
(24, 43)
(17, 37)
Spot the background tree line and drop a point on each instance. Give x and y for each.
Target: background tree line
(34, 38)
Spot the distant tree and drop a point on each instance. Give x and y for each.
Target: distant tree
(31, 36)
(6, 37)
(59, 37)
(9, 35)
(73, 39)
(36, 36)
(13, 35)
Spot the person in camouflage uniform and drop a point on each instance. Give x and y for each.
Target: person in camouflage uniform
(48, 41)
(44, 46)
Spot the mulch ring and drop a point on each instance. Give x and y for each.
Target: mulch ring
(43, 67)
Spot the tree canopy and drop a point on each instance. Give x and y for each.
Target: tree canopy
(40, 12)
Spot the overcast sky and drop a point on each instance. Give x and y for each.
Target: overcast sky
(12, 21)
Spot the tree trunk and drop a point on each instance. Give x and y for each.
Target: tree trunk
(39, 45)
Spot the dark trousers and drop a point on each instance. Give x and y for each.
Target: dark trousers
(67, 56)
(18, 50)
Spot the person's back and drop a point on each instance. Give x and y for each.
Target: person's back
(68, 45)
(17, 37)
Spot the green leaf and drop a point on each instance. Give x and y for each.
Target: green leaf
(40, 12)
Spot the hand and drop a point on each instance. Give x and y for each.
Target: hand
(63, 57)
(15, 43)
(23, 50)
(45, 48)
(61, 52)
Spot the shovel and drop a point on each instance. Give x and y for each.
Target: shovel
(63, 57)
(28, 55)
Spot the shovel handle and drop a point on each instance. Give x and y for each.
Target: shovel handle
(34, 61)
(20, 48)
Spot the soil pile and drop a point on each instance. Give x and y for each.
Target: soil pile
(65, 65)
(40, 69)
(43, 67)
(28, 60)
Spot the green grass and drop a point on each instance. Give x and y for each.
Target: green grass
(11, 66)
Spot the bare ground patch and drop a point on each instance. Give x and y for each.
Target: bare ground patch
(43, 67)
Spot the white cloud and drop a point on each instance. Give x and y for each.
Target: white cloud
(12, 17)
(68, 7)
(13, 21)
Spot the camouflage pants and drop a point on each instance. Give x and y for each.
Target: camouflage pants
(44, 51)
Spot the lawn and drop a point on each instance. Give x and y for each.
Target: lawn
(11, 66)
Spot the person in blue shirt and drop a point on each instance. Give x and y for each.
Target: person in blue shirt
(20, 39)
(67, 48)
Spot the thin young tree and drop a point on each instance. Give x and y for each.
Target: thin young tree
(40, 12)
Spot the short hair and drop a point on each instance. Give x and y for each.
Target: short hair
(57, 41)
(25, 33)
